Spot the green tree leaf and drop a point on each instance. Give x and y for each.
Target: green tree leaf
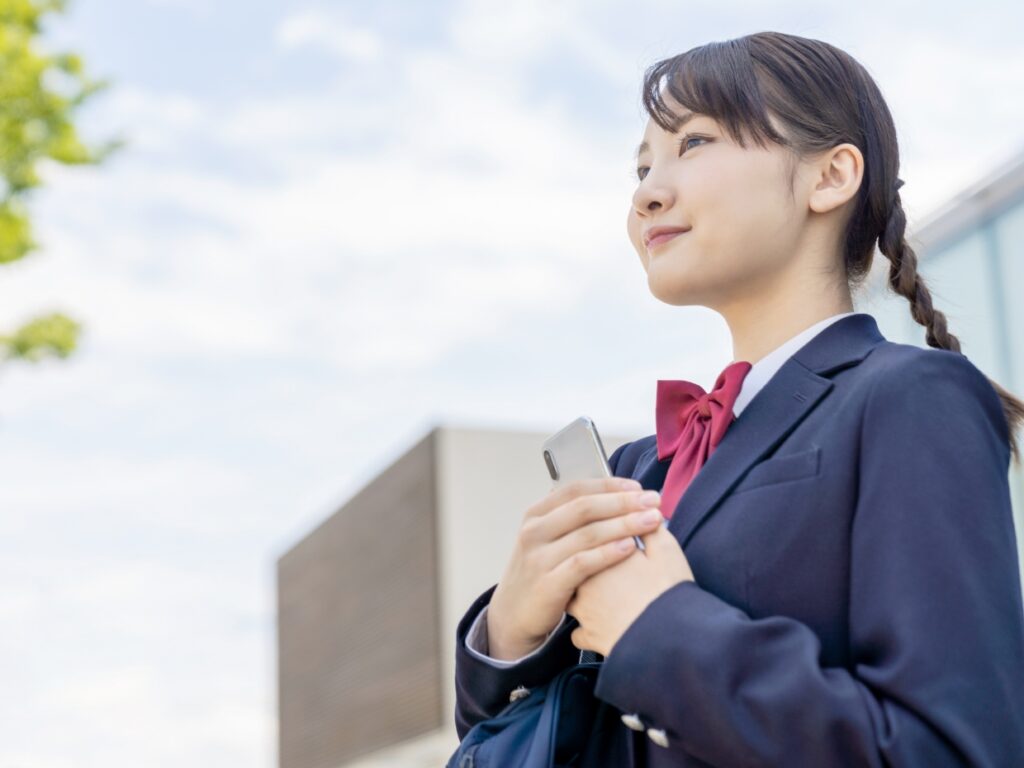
(39, 94)
(54, 335)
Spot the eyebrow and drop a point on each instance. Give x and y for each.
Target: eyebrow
(683, 120)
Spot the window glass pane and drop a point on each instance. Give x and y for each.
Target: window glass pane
(960, 281)
(891, 310)
(1010, 238)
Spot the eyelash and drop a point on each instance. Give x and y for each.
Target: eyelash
(681, 143)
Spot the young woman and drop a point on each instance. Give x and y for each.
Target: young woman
(839, 583)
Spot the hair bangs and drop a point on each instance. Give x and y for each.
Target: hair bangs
(717, 80)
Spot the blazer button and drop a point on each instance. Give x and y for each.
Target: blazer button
(518, 693)
(633, 721)
(657, 735)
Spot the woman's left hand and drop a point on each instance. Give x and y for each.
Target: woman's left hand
(608, 602)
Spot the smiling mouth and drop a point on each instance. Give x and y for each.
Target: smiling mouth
(657, 240)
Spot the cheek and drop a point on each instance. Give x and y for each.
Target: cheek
(633, 230)
(740, 216)
(726, 246)
(632, 227)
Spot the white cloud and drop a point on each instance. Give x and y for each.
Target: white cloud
(330, 31)
(196, 7)
(151, 122)
(440, 236)
(510, 36)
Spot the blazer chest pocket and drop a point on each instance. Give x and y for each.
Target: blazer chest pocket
(781, 469)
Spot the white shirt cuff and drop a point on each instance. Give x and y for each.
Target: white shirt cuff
(476, 641)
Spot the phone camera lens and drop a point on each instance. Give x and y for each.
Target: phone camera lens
(549, 460)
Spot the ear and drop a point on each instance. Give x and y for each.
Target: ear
(836, 176)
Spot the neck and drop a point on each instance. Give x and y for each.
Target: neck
(761, 323)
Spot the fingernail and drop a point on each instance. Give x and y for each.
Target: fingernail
(628, 484)
(651, 515)
(649, 498)
(624, 544)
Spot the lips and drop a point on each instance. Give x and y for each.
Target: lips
(658, 235)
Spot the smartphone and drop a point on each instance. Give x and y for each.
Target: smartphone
(576, 452)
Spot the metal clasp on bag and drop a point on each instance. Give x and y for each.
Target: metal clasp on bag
(467, 760)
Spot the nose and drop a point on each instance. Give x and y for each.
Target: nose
(650, 196)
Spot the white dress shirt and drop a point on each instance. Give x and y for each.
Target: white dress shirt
(758, 375)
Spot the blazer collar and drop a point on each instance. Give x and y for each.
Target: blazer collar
(793, 392)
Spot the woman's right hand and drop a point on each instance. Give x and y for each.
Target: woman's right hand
(572, 533)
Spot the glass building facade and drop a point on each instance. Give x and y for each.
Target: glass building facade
(971, 256)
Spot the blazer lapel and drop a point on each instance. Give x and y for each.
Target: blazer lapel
(793, 392)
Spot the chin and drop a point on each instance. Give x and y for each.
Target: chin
(677, 293)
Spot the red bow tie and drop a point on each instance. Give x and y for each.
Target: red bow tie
(690, 423)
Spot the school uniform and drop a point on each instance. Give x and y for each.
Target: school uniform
(857, 597)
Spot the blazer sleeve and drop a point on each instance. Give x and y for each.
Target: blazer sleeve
(936, 626)
(482, 689)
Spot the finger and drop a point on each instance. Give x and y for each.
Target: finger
(653, 542)
(577, 638)
(599, 533)
(662, 543)
(581, 565)
(577, 488)
(590, 508)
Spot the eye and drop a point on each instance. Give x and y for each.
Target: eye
(687, 138)
(684, 143)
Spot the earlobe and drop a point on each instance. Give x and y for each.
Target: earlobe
(840, 171)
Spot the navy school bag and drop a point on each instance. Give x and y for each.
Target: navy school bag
(557, 725)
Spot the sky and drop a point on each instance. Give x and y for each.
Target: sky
(334, 227)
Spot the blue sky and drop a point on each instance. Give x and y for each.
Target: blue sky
(336, 226)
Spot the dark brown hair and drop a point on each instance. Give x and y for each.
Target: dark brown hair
(821, 97)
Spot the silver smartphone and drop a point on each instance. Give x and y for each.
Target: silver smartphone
(575, 452)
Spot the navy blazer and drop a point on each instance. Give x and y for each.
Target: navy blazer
(857, 597)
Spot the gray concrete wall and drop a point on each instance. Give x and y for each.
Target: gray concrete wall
(358, 655)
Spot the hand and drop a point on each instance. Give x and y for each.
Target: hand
(607, 603)
(569, 535)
